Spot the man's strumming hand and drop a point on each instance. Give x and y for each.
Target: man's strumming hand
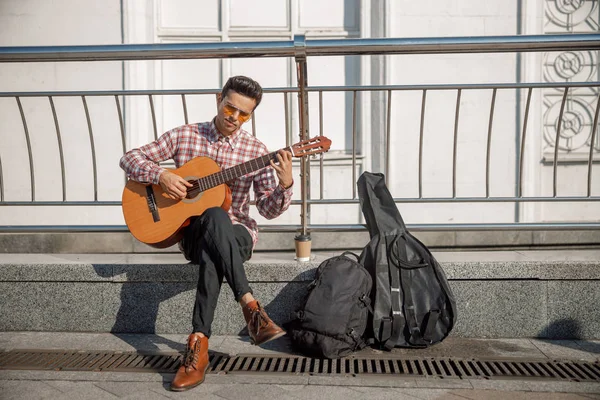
(173, 185)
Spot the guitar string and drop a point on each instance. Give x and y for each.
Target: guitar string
(202, 184)
(207, 182)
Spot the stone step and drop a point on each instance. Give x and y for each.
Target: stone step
(123, 242)
(500, 294)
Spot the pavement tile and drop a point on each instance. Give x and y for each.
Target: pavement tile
(501, 385)
(80, 390)
(124, 389)
(242, 345)
(24, 376)
(94, 341)
(16, 390)
(398, 393)
(594, 396)
(385, 393)
(141, 342)
(590, 346)
(478, 394)
(329, 392)
(203, 391)
(291, 388)
(146, 395)
(271, 379)
(536, 386)
(565, 387)
(457, 347)
(443, 383)
(367, 381)
(566, 349)
(45, 340)
(193, 394)
(253, 391)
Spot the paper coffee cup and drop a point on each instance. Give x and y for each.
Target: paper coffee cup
(302, 247)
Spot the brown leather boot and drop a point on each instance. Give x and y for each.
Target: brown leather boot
(260, 327)
(194, 366)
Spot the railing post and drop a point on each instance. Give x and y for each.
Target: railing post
(302, 78)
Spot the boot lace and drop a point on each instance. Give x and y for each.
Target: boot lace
(259, 320)
(192, 355)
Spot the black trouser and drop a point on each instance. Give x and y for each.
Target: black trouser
(220, 249)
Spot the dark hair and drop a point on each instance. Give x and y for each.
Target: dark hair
(245, 86)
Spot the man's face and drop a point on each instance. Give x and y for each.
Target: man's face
(232, 111)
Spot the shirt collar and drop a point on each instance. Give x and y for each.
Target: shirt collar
(214, 135)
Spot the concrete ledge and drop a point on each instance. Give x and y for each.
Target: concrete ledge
(499, 294)
(270, 241)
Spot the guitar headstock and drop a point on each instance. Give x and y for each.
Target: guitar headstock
(316, 145)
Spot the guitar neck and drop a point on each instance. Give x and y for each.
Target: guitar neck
(232, 173)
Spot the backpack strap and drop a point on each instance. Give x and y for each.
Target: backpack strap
(381, 272)
(346, 253)
(359, 343)
(398, 319)
(385, 331)
(398, 251)
(432, 319)
(366, 300)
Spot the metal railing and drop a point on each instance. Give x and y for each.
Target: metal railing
(300, 49)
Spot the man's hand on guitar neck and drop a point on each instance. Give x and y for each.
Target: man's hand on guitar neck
(283, 168)
(173, 185)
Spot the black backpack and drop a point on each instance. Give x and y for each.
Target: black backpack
(413, 305)
(333, 319)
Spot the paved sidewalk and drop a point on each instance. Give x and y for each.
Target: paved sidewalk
(111, 385)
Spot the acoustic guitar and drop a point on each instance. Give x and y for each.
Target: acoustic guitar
(157, 220)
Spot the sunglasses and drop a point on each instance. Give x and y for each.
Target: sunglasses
(230, 110)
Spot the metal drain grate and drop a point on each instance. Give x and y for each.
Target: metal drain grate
(413, 367)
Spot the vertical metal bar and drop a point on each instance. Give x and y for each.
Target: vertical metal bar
(286, 110)
(60, 149)
(1, 182)
(122, 126)
(254, 124)
(302, 78)
(388, 130)
(518, 79)
(92, 146)
(421, 131)
(28, 140)
(593, 139)
(523, 137)
(559, 125)
(489, 144)
(183, 103)
(153, 116)
(455, 146)
(321, 173)
(354, 122)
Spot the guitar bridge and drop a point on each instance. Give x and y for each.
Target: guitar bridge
(151, 200)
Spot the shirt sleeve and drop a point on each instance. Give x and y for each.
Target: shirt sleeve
(271, 198)
(141, 164)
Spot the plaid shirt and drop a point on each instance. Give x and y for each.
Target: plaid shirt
(204, 140)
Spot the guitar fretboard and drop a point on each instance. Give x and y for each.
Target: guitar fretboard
(232, 173)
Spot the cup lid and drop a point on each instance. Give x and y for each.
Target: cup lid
(302, 238)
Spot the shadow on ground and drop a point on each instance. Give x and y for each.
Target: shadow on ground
(567, 332)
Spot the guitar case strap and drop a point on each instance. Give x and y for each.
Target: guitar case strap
(398, 319)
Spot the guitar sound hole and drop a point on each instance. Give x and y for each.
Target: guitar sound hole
(193, 193)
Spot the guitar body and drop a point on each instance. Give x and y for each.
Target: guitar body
(156, 219)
